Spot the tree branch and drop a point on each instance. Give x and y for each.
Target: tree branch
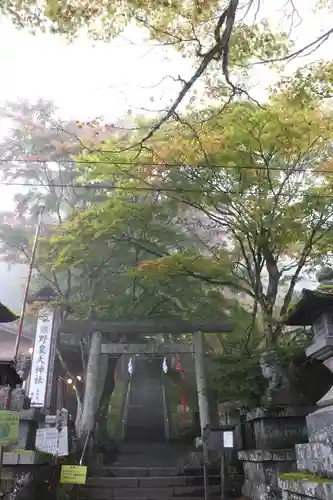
(251, 325)
(315, 44)
(304, 255)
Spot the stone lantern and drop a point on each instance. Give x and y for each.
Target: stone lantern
(316, 309)
(315, 458)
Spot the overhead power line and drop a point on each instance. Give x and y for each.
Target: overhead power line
(161, 189)
(170, 165)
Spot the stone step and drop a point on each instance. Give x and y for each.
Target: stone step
(142, 414)
(146, 463)
(102, 496)
(136, 397)
(213, 497)
(162, 471)
(134, 450)
(151, 435)
(145, 423)
(132, 435)
(150, 482)
(144, 419)
(149, 493)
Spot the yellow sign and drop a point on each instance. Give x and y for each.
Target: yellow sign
(9, 427)
(73, 474)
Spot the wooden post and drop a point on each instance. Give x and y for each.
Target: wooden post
(201, 380)
(222, 469)
(26, 291)
(60, 393)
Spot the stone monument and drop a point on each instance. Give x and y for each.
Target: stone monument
(280, 391)
(315, 458)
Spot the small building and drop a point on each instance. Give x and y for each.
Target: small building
(8, 334)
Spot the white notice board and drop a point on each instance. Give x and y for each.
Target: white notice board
(51, 441)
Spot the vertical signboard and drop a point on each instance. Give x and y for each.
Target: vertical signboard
(55, 328)
(41, 360)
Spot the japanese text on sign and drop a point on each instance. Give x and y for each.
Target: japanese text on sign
(9, 427)
(52, 440)
(73, 474)
(41, 358)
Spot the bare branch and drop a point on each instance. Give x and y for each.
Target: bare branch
(315, 44)
(304, 255)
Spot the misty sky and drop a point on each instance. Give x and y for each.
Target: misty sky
(87, 79)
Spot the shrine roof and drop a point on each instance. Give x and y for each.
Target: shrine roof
(312, 304)
(8, 374)
(44, 294)
(6, 315)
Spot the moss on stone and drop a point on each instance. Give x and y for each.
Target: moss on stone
(305, 476)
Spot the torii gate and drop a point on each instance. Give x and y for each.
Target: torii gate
(98, 329)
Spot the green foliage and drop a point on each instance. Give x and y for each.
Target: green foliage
(182, 24)
(93, 251)
(214, 217)
(305, 476)
(243, 212)
(311, 83)
(237, 377)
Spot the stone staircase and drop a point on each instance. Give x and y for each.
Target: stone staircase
(145, 412)
(147, 467)
(149, 472)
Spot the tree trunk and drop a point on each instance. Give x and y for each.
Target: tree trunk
(103, 369)
(90, 402)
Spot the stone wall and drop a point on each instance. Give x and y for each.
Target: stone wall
(314, 479)
(306, 488)
(35, 482)
(262, 469)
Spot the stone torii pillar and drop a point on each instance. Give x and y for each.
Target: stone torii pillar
(199, 362)
(89, 409)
